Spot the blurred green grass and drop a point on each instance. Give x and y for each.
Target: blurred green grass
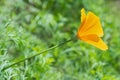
(30, 26)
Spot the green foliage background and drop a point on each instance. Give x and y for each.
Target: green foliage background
(29, 26)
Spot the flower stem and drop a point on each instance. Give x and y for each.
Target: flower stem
(58, 45)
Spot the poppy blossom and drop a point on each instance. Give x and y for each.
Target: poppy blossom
(91, 31)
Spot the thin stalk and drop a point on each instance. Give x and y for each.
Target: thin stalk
(58, 45)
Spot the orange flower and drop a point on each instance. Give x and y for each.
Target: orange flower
(91, 31)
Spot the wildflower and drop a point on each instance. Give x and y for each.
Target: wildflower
(90, 30)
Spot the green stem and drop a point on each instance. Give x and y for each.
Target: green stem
(58, 45)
